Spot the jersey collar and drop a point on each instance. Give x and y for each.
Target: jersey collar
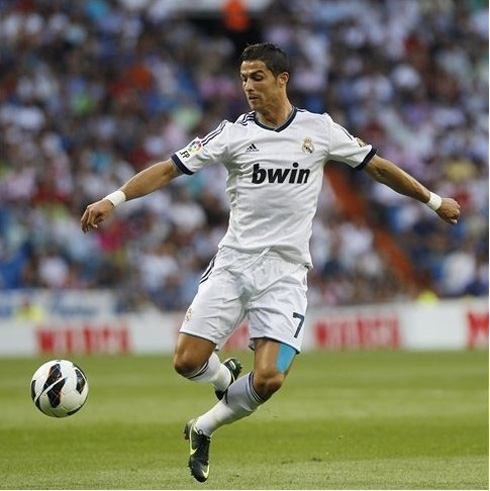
(279, 128)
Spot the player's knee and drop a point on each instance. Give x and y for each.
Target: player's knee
(267, 383)
(185, 364)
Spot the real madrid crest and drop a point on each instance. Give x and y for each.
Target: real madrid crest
(307, 146)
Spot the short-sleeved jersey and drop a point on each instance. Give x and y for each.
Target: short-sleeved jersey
(274, 176)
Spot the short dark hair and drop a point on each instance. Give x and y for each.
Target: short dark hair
(275, 59)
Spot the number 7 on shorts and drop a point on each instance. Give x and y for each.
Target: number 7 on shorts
(300, 325)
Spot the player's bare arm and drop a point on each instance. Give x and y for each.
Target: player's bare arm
(143, 183)
(388, 173)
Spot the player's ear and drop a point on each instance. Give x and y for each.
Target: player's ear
(283, 79)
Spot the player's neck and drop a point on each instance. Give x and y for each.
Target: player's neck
(276, 116)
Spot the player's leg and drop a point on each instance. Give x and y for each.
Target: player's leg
(272, 363)
(196, 360)
(214, 314)
(191, 353)
(276, 318)
(273, 360)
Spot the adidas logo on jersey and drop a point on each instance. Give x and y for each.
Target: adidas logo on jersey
(251, 148)
(291, 176)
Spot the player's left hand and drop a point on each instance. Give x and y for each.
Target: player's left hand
(449, 210)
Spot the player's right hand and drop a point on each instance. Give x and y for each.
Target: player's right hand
(95, 213)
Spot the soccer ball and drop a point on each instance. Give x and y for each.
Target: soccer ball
(59, 388)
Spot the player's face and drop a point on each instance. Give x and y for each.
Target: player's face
(262, 89)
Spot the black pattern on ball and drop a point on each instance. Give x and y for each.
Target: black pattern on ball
(69, 413)
(53, 376)
(33, 390)
(80, 380)
(54, 394)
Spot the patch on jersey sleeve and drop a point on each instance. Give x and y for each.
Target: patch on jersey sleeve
(361, 143)
(195, 146)
(307, 146)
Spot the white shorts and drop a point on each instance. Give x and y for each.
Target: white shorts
(267, 288)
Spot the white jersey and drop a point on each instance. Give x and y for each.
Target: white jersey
(274, 176)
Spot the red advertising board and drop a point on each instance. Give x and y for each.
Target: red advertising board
(358, 331)
(86, 339)
(477, 329)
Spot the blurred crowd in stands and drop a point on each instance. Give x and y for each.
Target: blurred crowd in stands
(93, 91)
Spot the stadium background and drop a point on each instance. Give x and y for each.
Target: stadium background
(93, 91)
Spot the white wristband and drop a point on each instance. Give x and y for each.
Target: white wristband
(434, 202)
(116, 198)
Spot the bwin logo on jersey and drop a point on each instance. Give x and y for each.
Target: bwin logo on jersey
(291, 176)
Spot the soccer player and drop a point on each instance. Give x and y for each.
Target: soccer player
(275, 157)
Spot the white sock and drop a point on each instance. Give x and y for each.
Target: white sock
(240, 401)
(213, 371)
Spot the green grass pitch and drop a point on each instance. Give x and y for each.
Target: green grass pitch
(352, 420)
